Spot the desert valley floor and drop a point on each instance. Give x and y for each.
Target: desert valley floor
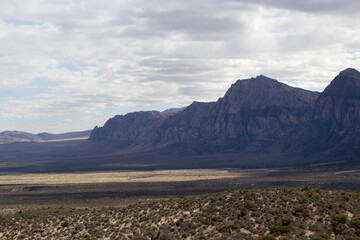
(308, 203)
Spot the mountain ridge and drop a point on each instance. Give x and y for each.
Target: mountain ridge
(256, 115)
(19, 136)
(258, 123)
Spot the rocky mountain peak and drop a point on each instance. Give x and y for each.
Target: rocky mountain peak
(339, 104)
(346, 84)
(261, 91)
(350, 72)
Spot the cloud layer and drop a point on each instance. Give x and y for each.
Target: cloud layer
(76, 63)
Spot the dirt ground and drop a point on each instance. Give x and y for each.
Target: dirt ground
(118, 188)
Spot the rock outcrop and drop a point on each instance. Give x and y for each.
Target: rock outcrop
(334, 126)
(136, 131)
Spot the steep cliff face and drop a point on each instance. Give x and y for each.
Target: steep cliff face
(254, 112)
(339, 104)
(334, 126)
(262, 110)
(132, 130)
(337, 115)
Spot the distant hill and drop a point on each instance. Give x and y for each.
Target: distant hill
(256, 116)
(17, 136)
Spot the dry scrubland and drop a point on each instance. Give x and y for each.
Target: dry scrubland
(124, 176)
(284, 213)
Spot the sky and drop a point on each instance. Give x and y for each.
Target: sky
(69, 65)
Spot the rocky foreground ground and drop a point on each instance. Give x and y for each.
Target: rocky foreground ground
(283, 213)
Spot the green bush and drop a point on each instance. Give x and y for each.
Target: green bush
(354, 224)
(247, 204)
(305, 214)
(301, 211)
(337, 223)
(279, 229)
(286, 221)
(241, 213)
(339, 219)
(232, 226)
(331, 206)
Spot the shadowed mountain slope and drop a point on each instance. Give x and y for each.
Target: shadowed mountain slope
(253, 114)
(334, 126)
(256, 116)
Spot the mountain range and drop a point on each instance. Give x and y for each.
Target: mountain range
(259, 122)
(256, 116)
(18, 136)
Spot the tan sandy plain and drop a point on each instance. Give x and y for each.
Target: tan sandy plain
(126, 176)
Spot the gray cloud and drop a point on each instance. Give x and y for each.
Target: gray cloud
(313, 6)
(98, 57)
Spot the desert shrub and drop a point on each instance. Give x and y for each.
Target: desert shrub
(231, 226)
(320, 236)
(308, 191)
(337, 223)
(247, 204)
(288, 191)
(286, 221)
(268, 237)
(241, 213)
(305, 214)
(215, 218)
(331, 206)
(279, 229)
(64, 224)
(338, 219)
(186, 203)
(354, 224)
(301, 211)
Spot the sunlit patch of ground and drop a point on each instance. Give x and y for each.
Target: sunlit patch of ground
(64, 139)
(125, 176)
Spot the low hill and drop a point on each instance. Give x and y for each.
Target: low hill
(18, 136)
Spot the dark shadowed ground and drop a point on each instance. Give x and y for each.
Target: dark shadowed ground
(119, 193)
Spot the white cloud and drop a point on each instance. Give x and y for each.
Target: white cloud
(97, 55)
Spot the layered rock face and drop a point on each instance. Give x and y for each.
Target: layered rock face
(255, 115)
(253, 112)
(335, 123)
(261, 110)
(133, 130)
(339, 104)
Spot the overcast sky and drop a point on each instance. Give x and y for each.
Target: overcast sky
(68, 65)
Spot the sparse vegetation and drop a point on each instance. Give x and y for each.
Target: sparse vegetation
(261, 214)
